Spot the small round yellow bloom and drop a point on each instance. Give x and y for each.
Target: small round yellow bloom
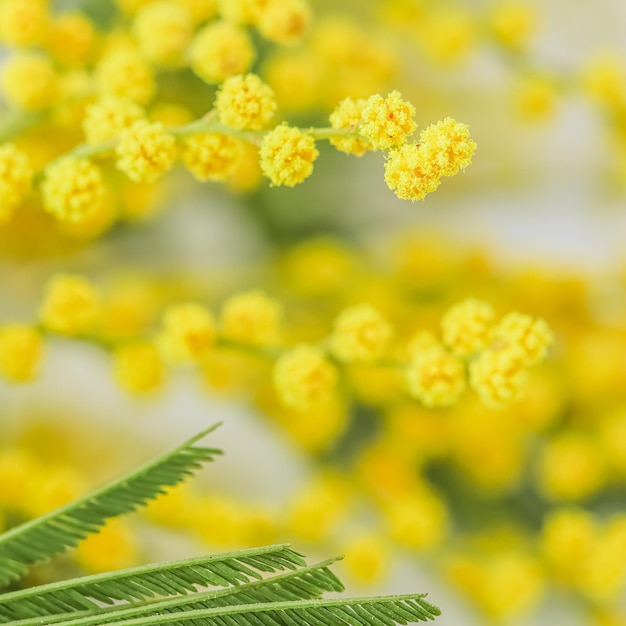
(407, 175)
(106, 118)
(71, 305)
(435, 377)
(536, 98)
(387, 122)
(123, 73)
(138, 368)
(114, 547)
(245, 102)
(513, 23)
(532, 335)
(446, 147)
(163, 30)
(360, 334)
(251, 318)
(199, 10)
(20, 352)
(448, 35)
(72, 40)
(284, 21)
(499, 376)
(191, 327)
(466, 327)
(366, 557)
(287, 155)
(23, 22)
(221, 50)
(29, 81)
(211, 156)
(347, 115)
(145, 151)
(304, 377)
(73, 189)
(603, 79)
(15, 177)
(571, 467)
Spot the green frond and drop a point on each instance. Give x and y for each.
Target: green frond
(148, 581)
(39, 539)
(375, 611)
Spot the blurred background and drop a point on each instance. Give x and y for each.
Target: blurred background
(507, 516)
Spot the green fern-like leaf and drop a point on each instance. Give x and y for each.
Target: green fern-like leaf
(39, 539)
(148, 581)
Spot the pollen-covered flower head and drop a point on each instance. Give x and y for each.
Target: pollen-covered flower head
(407, 176)
(284, 21)
(15, 177)
(73, 189)
(211, 156)
(138, 367)
(387, 122)
(360, 334)
(304, 377)
(245, 102)
(347, 116)
(20, 352)
(446, 147)
(107, 117)
(24, 23)
(251, 318)
(466, 326)
(124, 73)
(532, 335)
(29, 81)
(287, 155)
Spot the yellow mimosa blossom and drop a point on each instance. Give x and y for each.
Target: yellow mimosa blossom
(211, 156)
(20, 474)
(303, 377)
(251, 318)
(72, 40)
(287, 155)
(536, 98)
(191, 326)
(15, 177)
(446, 147)
(20, 352)
(360, 334)
(23, 23)
(347, 115)
(499, 376)
(107, 117)
(449, 35)
(138, 368)
(114, 547)
(466, 327)
(435, 377)
(366, 557)
(513, 23)
(145, 151)
(407, 174)
(73, 189)
(71, 305)
(245, 102)
(124, 73)
(284, 21)
(199, 10)
(387, 122)
(163, 30)
(57, 486)
(29, 81)
(532, 335)
(220, 50)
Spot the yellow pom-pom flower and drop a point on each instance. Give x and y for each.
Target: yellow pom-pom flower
(532, 335)
(20, 352)
(138, 368)
(466, 327)
(387, 122)
(71, 305)
(284, 21)
(72, 40)
(245, 102)
(23, 22)
(106, 118)
(251, 318)
(287, 155)
(199, 10)
(435, 377)
(347, 115)
(221, 50)
(446, 147)
(145, 151)
(124, 73)
(163, 30)
(73, 189)
(114, 547)
(499, 376)
(29, 81)
(189, 329)
(15, 177)
(304, 377)
(366, 557)
(211, 156)
(360, 334)
(513, 23)
(407, 175)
